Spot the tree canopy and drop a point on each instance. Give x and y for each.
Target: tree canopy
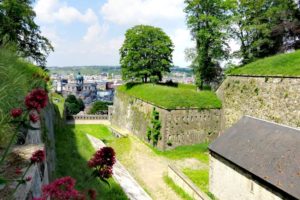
(262, 27)
(265, 27)
(73, 105)
(207, 20)
(146, 54)
(18, 29)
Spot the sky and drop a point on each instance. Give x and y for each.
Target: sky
(91, 32)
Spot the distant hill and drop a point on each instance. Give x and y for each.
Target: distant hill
(90, 70)
(279, 65)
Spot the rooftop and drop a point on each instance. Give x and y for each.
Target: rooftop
(267, 150)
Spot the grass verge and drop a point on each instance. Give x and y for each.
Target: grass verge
(182, 96)
(73, 150)
(198, 151)
(180, 192)
(279, 65)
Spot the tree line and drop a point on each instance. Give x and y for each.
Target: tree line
(20, 33)
(261, 27)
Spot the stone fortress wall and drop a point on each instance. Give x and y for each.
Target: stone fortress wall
(274, 99)
(179, 127)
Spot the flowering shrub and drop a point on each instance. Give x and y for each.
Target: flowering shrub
(16, 112)
(37, 99)
(38, 157)
(61, 189)
(102, 162)
(34, 117)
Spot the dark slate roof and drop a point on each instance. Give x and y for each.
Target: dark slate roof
(266, 150)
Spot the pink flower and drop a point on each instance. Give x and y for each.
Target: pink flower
(36, 99)
(16, 112)
(62, 189)
(34, 117)
(105, 172)
(103, 157)
(27, 179)
(92, 194)
(38, 157)
(18, 171)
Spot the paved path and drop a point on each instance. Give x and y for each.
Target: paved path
(133, 190)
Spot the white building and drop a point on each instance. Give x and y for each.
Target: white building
(256, 160)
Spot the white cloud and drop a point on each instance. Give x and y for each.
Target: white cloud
(142, 11)
(50, 11)
(182, 40)
(95, 33)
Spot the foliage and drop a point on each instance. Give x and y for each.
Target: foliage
(153, 131)
(146, 53)
(73, 150)
(279, 65)
(17, 78)
(99, 106)
(18, 28)
(265, 27)
(73, 105)
(20, 118)
(182, 96)
(207, 20)
(58, 100)
(176, 188)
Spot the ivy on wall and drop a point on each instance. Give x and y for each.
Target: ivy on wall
(153, 131)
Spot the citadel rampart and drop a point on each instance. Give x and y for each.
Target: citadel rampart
(275, 99)
(179, 126)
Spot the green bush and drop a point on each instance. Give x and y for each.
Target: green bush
(99, 106)
(73, 105)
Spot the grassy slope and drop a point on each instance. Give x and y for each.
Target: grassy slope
(280, 65)
(16, 80)
(73, 150)
(198, 151)
(184, 96)
(177, 189)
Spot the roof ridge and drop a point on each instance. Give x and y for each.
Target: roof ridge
(271, 122)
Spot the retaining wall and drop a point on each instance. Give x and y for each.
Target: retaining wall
(179, 127)
(271, 98)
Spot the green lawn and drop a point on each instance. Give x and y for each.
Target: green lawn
(279, 65)
(179, 191)
(200, 178)
(198, 151)
(73, 150)
(183, 96)
(58, 100)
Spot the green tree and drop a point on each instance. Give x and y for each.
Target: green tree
(265, 27)
(72, 108)
(146, 53)
(208, 21)
(17, 28)
(99, 106)
(73, 105)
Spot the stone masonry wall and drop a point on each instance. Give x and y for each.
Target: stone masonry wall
(273, 99)
(179, 127)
